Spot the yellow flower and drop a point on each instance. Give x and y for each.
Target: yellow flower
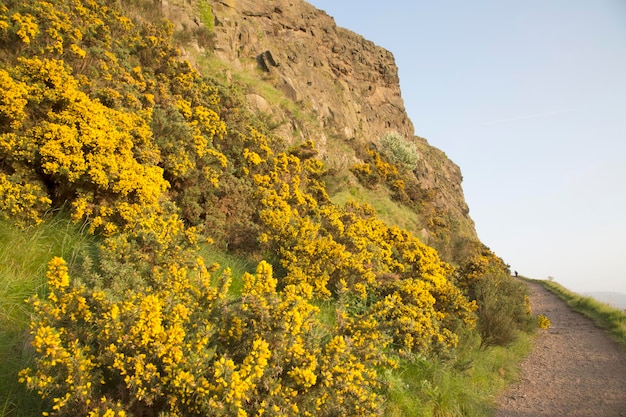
(27, 26)
(58, 276)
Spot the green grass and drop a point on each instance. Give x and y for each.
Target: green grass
(206, 14)
(251, 81)
(24, 255)
(238, 265)
(466, 385)
(603, 315)
(387, 209)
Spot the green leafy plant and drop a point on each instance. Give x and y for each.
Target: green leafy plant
(502, 311)
(399, 150)
(206, 14)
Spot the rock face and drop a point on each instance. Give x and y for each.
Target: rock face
(349, 83)
(347, 86)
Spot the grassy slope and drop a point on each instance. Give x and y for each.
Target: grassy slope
(388, 210)
(24, 254)
(463, 385)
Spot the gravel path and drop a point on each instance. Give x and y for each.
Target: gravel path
(574, 370)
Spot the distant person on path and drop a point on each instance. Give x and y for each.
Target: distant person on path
(515, 274)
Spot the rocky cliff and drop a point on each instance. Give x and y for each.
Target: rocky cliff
(338, 89)
(347, 82)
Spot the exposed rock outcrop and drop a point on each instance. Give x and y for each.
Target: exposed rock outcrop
(349, 83)
(345, 94)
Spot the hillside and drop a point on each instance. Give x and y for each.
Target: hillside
(150, 149)
(332, 86)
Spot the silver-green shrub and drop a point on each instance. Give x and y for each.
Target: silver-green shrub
(399, 151)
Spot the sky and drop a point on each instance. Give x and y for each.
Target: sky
(529, 99)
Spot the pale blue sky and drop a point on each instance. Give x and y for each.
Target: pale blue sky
(529, 99)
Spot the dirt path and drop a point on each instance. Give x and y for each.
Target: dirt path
(575, 369)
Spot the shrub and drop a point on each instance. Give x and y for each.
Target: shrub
(377, 169)
(206, 14)
(180, 346)
(397, 284)
(399, 151)
(365, 174)
(502, 308)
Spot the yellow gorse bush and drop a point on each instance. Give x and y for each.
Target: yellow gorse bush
(183, 347)
(398, 282)
(85, 148)
(100, 116)
(377, 169)
(78, 110)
